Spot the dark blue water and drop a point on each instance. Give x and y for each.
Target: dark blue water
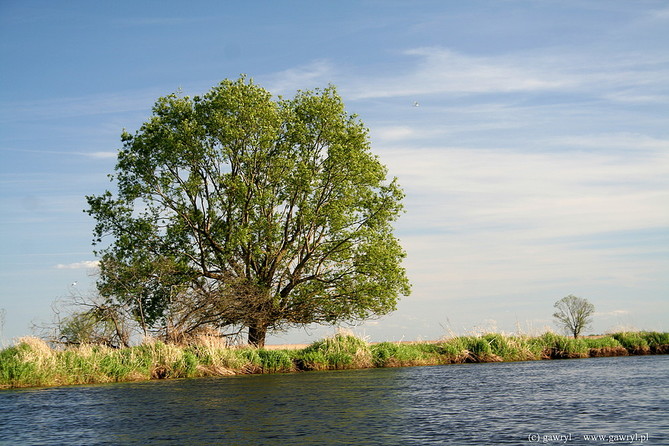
(623, 400)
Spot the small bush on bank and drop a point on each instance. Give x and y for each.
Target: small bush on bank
(14, 369)
(603, 342)
(388, 354)
(510, 348)
(635, 343)
(453, 350)
(554, 346)
(343, 352)
(657, 342)
(309, 360)
(605, 346)
(275, 361)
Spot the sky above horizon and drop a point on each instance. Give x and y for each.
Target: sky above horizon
(531, 138)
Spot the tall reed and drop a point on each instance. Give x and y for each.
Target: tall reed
(31, 362)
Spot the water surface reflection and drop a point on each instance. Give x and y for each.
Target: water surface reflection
(458, 404)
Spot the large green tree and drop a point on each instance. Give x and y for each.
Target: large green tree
(238, 209)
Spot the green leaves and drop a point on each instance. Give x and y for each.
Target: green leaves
(235, 187)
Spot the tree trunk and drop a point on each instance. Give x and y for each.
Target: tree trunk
(257, 335)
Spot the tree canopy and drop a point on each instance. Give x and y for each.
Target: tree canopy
(238, 209)
(573, 314)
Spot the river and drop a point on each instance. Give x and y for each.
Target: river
(623, 400)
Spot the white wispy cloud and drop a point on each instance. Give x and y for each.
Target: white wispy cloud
(100, 155)
(484, 222)
(87, 105)
(85, 264)
(556, 193)
(318, 73)
(95, 155)
(660, 14)
(437, 70)
(392, 133)
(612, 313)
(613, 141)
(162, 21)
(441, 70)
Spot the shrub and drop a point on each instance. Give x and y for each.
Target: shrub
(383, 353)
(558, 347)
(186, 366)
(311, 360)
(340, 360)
(343, 351)
(604, 342)
(510, 348)
(479, 349)
(251, 361)
(453, 350)
(14, 370)
(273, 361)
(633, 342)
(77, 366)
(112, 368)
(655, 339)
(388, 354)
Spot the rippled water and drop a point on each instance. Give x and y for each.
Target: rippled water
(513, 403)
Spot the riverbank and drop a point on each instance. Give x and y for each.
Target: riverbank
(32, 363)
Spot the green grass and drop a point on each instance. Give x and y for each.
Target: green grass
(311, 360)
(634, 342)
(14, 368)
(560, 347)
(389, 354)
(603, 342)
(337, 353)
(655, 339)
(31, 362)
(275, 361)
(512, 348)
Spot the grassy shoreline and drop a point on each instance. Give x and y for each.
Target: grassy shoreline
(32, 363)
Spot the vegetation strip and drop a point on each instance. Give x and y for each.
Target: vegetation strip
(31, 362)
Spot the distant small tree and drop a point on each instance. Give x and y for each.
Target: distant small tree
(87, 318)
(88, 327)
(573, 314)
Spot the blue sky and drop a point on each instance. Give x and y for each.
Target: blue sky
(536, 164)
